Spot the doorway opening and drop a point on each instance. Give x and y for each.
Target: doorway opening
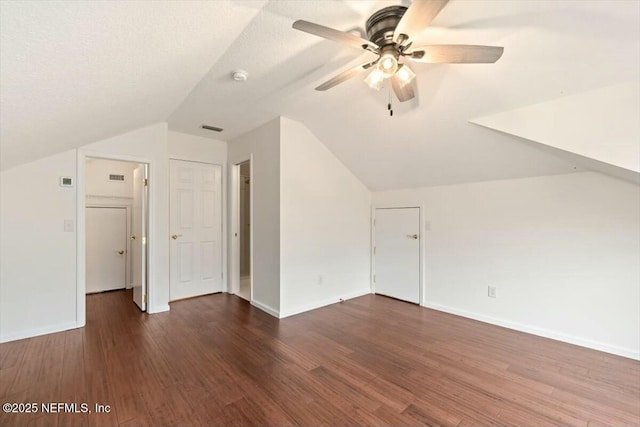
(116, 225)
(242, 235)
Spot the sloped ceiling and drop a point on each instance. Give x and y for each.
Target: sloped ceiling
(189, 49)
(73, 72)
(551, 49)
(601, 124)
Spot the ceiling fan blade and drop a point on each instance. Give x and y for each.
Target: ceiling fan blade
(334, 35)
(456, 54)
(345, 75)
(417, 17)
(404, 93)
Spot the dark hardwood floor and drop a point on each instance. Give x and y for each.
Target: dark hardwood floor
(374, 361)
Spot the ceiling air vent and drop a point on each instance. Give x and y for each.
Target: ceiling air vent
(213, 128)
(116, 177)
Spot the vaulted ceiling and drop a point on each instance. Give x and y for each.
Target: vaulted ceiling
(75, 72)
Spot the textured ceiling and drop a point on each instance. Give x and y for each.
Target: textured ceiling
(109, 67)
(73, 72)
(551, 49)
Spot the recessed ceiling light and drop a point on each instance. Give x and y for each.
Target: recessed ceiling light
(240, 75)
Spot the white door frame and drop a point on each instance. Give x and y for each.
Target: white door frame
(421, 245)
(234, 275)
(81, 204)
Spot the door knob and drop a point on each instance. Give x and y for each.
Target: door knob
(175, 236)
(412, 236)
(132, 237)
(120, 252)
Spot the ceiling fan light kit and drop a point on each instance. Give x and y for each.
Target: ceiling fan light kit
(389, 33)
(375, 79)
(405, 75)
(388, 62)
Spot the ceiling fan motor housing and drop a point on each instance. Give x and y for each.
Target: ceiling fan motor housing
(381, 25)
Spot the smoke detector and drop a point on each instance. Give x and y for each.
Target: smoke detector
(240, 75)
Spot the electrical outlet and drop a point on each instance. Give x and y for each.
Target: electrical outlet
(492, 292)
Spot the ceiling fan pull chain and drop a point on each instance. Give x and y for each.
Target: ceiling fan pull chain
(389, 107)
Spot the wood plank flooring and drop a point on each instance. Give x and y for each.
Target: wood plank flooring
(374, 361)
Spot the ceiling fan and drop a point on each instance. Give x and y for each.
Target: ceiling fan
(389, 32)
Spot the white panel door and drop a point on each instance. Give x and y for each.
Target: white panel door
(397, 253)
(196, 229)
(139, 237)
(106, 249)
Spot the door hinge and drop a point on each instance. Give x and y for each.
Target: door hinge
(145, 298)
(222, 275)
(374, 278)
(144, 240)
(374, 250)
(146, 182)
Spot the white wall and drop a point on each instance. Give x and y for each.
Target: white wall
(264, 144)
(196, 148)
(145, 145)
(33, 208)
(97, 178)
(324, 225)
(562, 250)
(310, 220)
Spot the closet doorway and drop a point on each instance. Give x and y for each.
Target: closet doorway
(116, 224)
(242, 236)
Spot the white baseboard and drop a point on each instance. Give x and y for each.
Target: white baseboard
(267, 309)
(558, 336)
(38, 331)
(158, 309)
(322, 303)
